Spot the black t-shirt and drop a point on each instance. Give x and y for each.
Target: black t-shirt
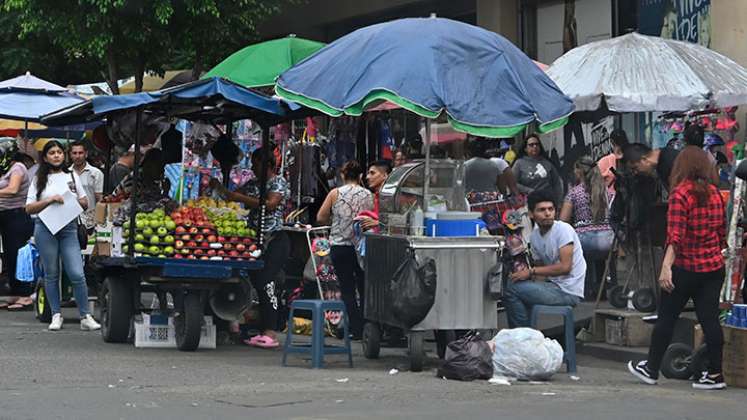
(666, 163)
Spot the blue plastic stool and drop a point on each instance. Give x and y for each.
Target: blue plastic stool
(317, 349)
(570, 338)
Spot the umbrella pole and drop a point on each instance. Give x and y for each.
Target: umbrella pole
(26, 129)
(427, 171)
(135, 179)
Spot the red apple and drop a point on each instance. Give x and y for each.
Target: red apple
(204, 258)
(246, 254)
(211, 238)
(240, 247)
(221, 253)
(234, 239)
(221, 239)
(204, 244)
(178, 256)
(179, 244)
(187, 223)
(192, 244)
(206, 231)
(175, 215)
(211, 253)
(227, 246)
(186, 238)
(193, 230)
(252, 247)
(239, 259)
(199, 252)
(199, 238)
(191, 257)
(233, 253)
(180, 230)
(248, 241)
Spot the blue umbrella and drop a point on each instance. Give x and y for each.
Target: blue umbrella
(485, 84)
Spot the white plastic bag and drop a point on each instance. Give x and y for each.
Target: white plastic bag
(526, 354)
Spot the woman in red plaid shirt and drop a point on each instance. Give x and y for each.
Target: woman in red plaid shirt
(693, 265)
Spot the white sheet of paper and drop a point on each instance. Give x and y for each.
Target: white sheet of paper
(57, 216)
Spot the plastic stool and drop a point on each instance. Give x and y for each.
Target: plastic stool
(569, 356)
(317, 349)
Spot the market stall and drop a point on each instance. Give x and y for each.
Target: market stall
(484, 86)
(198, 252)
(636, 73)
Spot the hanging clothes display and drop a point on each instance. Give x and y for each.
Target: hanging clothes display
(343, 134)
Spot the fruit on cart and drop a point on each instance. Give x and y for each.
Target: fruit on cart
(139, 247)
(199, 252)
(179, 244)
(178, 256)
(192, 244)
(154, 250)
(186, 237)
(169, 224)
(168, 239)
(241, 247)
(155, 239)
(162, 231)
(168, 250)
(180, 230)
(204, 244)
(212, 238)
(228, 246)
(148, 231)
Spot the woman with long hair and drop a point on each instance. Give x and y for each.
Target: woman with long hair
(534, 171)
(47, 189)
(340, 208)
(586, 208)
(15, 224)
(693, 266)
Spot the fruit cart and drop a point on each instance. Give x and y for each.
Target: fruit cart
(200, 260)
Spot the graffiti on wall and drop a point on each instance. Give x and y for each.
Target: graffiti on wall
(684, 20)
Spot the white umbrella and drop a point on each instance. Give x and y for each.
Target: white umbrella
(638, 73)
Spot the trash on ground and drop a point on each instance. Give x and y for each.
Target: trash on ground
(499, 380)
(548, 393)
(393, 371)
(342, 380)
(524, 353)
(575, 378)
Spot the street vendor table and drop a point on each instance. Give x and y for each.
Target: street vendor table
(190, 282)
(461, 302)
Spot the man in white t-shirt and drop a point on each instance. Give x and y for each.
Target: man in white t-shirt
(559, 259)
(91, 178)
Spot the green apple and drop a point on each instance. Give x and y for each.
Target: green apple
(141, 223)
(155, 239)
(162, 231)
(148, 231)
(125, 232)
(158, 213)
(126, 224)
(141, 216)
(154, 250)
(139, 247)
(168, 239)
(161, 256)
(168, 250)
(139, 237)
(125, 248)
(170, 225)
(155, 223)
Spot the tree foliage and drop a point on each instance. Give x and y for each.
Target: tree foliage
(124, 36)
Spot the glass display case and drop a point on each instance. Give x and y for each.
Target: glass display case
(403, 191)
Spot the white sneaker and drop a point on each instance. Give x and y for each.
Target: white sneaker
(87, 323)
(56, 324)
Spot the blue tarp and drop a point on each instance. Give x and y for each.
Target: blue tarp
(209, 99)
(477, 76)
(27, 106)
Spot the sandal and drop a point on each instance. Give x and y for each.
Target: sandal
(263, 341)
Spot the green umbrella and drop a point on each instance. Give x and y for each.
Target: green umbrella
(259, 65)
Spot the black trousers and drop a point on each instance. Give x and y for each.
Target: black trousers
(275, 255)
(351, 279)
(16, 229)
(704, 289)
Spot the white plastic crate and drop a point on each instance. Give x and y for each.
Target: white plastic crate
(149, 335)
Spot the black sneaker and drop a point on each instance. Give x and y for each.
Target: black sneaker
(640, 371)
(710, 382)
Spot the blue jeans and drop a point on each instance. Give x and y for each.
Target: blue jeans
(596, 244)
(519, 297)
(65, 246)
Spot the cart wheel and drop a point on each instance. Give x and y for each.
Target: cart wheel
(644, 300)
(617, 297)
(417, 353)
(115, 304)
(700, 361)
(188, 322)
(443, 338)
(41, 306)
(677, 362)
(371, 340)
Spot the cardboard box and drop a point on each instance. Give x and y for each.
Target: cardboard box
(621, 328)
(735, 356)
(103, 249)
(100, 214)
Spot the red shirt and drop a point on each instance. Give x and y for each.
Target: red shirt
(698, 232)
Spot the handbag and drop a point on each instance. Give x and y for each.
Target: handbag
(82, 231)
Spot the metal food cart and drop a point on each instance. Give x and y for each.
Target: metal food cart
(462, 263)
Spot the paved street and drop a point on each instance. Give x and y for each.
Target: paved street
(75, 375)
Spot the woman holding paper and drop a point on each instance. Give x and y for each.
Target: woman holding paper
(48, 201)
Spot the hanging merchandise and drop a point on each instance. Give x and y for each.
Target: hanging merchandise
(386, 140)
(342, 139)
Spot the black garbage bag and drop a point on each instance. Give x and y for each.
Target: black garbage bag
(467, 359)
(413, 290)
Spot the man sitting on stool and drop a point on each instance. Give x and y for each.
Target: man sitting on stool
(557, 252)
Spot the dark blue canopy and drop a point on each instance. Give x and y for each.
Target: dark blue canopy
(214, 99)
